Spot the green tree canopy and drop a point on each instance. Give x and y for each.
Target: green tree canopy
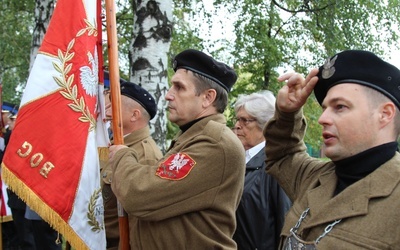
(270, 37)
(273, 36)
(16, 24)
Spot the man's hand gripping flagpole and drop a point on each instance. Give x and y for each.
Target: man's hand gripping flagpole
(112, 41)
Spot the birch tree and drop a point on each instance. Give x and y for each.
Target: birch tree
(43, 12)
(152, 31)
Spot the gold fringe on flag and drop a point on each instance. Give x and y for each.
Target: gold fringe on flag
(44, 211)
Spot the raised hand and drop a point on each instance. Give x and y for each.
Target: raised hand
(293, 95)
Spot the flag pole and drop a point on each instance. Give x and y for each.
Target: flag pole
(116, 106)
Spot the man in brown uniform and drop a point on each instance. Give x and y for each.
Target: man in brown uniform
(352, 201)
(188, 199)
(138, 108)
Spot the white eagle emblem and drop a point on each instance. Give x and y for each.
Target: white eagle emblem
(178, 162)
(89, 75)
(328, 68)
(176, 167)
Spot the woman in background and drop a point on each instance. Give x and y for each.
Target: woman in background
(264, 204)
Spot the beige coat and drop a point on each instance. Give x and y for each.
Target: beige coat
(148, 153)
(369, 208)
(188, 199)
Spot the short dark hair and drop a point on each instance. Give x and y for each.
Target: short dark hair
(375, 97)
(203, 83)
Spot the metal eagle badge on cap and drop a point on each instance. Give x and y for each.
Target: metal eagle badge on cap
(329, 70)
(175, 167)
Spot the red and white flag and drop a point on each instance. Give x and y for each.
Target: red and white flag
(5, 210)
(52, 161)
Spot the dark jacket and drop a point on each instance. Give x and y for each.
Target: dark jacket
(262, 209)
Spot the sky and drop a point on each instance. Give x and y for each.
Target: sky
(223, 27)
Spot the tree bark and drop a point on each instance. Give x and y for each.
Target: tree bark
(148, 57)
(43, 12)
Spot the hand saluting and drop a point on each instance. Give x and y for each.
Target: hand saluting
(293, 95)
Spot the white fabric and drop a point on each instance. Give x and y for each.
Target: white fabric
(254, 150)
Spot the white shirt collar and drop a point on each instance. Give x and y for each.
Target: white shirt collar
(254, 150)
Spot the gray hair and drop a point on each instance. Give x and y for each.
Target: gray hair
(203, 83)
(259, 105)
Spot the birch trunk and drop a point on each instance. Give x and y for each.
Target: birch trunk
(148, 57)
(43, 12)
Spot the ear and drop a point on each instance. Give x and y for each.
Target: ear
(387, 113)
(209, 97)
(135, 114)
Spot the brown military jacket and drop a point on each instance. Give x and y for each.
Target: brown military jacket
(188, 199)
(148, 153)
(368, 209)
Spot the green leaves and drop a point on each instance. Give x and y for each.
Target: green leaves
(16, 25)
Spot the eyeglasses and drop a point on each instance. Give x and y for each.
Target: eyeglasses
(243, 121)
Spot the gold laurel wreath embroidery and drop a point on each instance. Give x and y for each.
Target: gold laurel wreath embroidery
(66, 82)
(90, 28)
(96, 226)
(70, 92)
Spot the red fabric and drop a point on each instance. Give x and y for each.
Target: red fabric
(51, 159)
(3, 202)
(50, 125)
(176, 167)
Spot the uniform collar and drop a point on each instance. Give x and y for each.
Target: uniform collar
(354, 200)
(137, 135)
(353, 169)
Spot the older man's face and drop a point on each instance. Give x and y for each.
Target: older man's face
(183, 104)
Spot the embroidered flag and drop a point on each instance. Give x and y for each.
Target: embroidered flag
(5, 210)
(52, 161)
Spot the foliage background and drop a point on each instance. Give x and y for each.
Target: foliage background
(260, 39)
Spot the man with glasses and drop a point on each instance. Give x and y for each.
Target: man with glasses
(264, 204)
(352, 201)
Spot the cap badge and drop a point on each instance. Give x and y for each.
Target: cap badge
(175, 64)
(329, 70)
(176, 167)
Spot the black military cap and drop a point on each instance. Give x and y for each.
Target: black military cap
(361, 67)
(206, 66)
(140, 95)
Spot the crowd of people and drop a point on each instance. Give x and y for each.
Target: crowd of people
(254, 186)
